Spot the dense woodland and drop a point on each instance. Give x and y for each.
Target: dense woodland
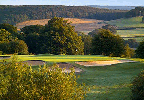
(15, 14)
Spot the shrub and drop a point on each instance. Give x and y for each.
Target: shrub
(18, 81)
(138, 87)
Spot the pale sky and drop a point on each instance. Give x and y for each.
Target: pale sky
(74, 2)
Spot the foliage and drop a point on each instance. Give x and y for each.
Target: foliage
(32, 29)
(87, 39)
(132, 43)
(5, 36)
(104, 42)
(18, 81)
(63, 38)
(137, 87)
(10, 45)
(112, 28)
(14, 14)
(10, 28)
(140, 50)
(138, 11)
(38, 43)
(128, 52)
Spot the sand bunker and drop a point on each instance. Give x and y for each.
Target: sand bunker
(102, 63)
(34, 62)
(65, 66)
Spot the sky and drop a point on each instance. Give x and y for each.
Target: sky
(74, 2)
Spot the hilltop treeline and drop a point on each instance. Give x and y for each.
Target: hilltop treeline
(138, 11)
(14, 14)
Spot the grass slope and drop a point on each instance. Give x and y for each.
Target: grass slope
(128, 22)
(135, 22)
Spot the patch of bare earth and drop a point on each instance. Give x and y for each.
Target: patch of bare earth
(65, 66)
(102, 63)
(80, 24)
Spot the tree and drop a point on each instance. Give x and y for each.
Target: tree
(18, 46)
(87, 39)
(111, 28)
(32, 29)
(19, 81)
(63, 38)
(10, 28)
(5, 36)
(140, 50)
(128, 52)
(10, 45)
(107, 44)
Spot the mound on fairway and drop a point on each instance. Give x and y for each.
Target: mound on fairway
(102, 63)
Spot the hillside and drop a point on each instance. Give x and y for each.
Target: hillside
(114, 7)
(15, 14)
(128, 22)
(130, 28)
(83, 25)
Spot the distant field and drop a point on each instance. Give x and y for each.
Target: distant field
(128, 22)
(133, 28)
(84, 25)
(137, 34)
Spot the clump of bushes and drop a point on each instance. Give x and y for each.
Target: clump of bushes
(137, 87)
(19, 81)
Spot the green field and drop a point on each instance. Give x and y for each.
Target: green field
(137, 34)
(106, 82)
(134, 22)
(128, 22)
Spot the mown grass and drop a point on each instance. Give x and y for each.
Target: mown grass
(65, 58)
(128, 22)
(110, 82)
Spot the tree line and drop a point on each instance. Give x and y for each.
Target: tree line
(59, 37)
(14, 14)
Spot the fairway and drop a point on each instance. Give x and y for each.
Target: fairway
(64, 58)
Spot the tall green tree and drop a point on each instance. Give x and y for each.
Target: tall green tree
(140, 50)
(63, 38)
(106, 43)
(10, 44)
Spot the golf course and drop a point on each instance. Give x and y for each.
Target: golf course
(105, 82)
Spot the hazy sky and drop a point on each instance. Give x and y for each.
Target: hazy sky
(74, 2)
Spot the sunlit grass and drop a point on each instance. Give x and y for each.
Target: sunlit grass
(128, 22)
